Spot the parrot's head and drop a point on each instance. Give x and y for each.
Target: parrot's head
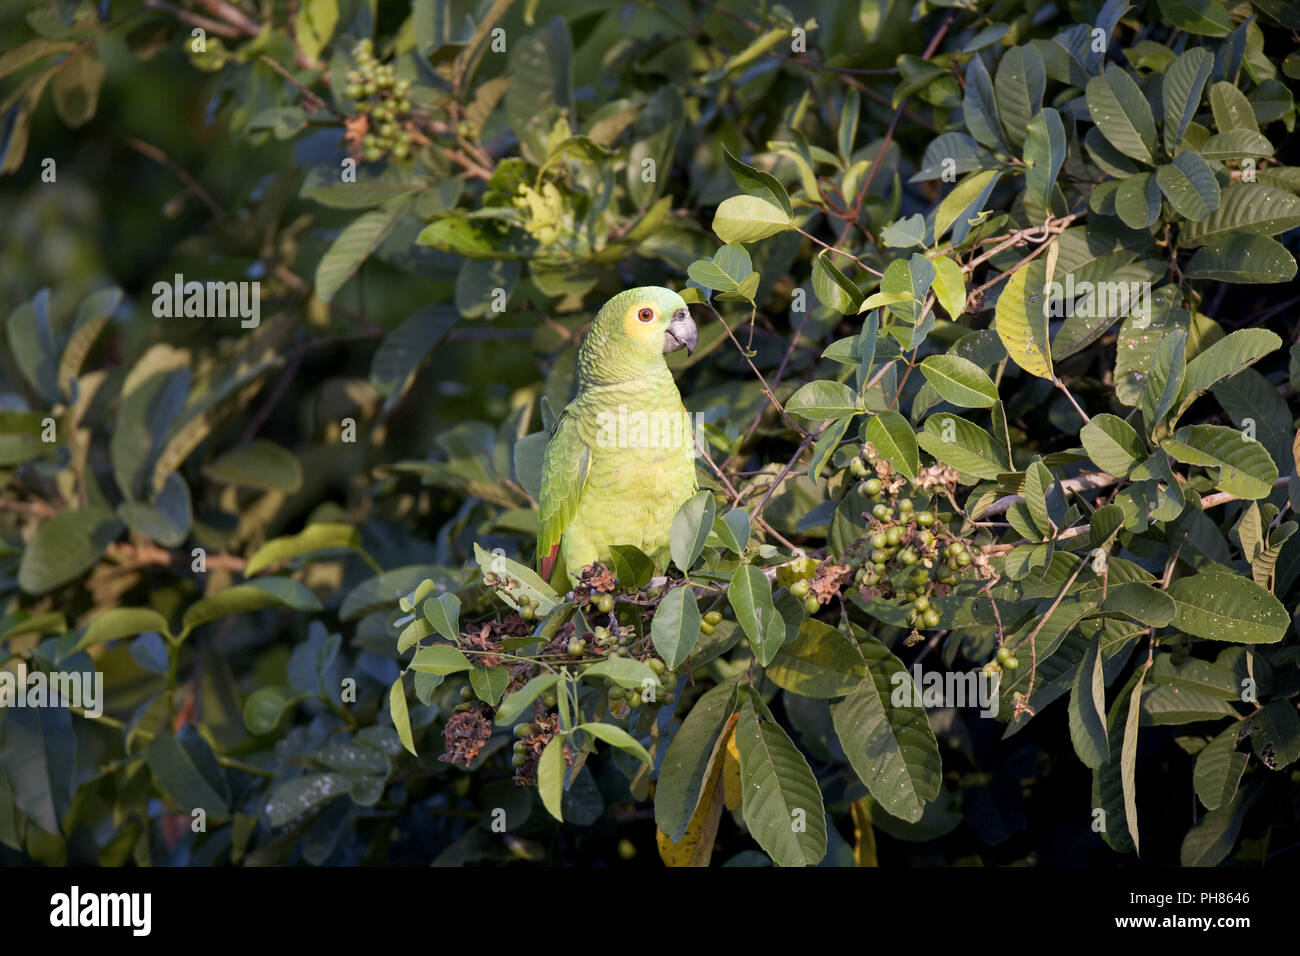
(633, 331)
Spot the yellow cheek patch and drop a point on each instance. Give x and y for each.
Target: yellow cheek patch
(634, 326)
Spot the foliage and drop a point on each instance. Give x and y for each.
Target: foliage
(993, 389)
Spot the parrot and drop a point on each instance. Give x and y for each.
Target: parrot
(615, 469)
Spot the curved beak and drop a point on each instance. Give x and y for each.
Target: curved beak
(681, 333)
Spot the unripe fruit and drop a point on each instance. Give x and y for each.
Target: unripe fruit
(874, 486)
(1011, 664)
(605, 603)
(963, 559)
(713, 617)
(521, 747)
(523, 730)
(576, 647)
(925, 518)
(656, 665)
(799, 588)
(1004, 654)
(893, 536)
(905, 506)
(922, 603)
(626, 849)
(706, 628)
(857, 468)
(467, 693)
(812, 605)
(518, 760)
(931, 618)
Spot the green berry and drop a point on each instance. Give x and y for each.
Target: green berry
(925, 518)
(921, 603)
(1011, 664)
(799, 588)
(963, 559)
(931, 618)
(1004, 654)
(812, 605)
(857, 468)
(893, 536)
(874, 486)
(467, 693)
(713, 617)
(518, 760)
(577, 647)
(706, 628)
(523, 730)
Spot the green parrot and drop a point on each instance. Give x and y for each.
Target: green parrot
(621, 457)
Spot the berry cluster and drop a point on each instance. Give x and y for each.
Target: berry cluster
(384, 98)
(909, 553)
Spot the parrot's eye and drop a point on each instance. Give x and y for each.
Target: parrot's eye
(645, 315)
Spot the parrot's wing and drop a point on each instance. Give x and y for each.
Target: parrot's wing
(564, 472)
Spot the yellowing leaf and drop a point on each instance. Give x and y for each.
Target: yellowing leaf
(864, 838)
(1022, 320)
(731, 770)
(696, 845)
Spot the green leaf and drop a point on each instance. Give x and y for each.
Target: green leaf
(1236, 144)
(1113, 445)
(782, 802)
(748, 219)
(894, 439)
(1206, 18)
(38, 756)
(949, 286)
(1274, 733)
(1022, 320)
(1137, 201)
(1232, 109)
(1165, 705)
(686, 763)
(1044, 153)
(1242, 258)
(260, 464)
(1088, 708)
(443, 612)
(403, 350)
(401, 717)
(313, 538)
(1113, 791)
(1019, 86)
(530, 584)
(960, 381)
(623, 671)
(1122, 113)
(188, 770)
(971, 191)
(728, 268)
(550, 776)
(1221, 606)
(616, 737)
(631, 565)
(1246, 469)
(1189, 185)
(690, 529)
(833, 288)
(823, 399)
(963, 445)
(65, 547)
(354, 245)
(1245, 208)
(489, 683)
(1139, 601)
(265, 708)
(675, 629)
(1219, 767)
(750, 595)
(76, 88)
(889, 743)
(1224, 359)
(512, 708)
(253, 596)
(820, 662)
(120, 622)
(1184, 83)
(440, 659)
(756, 182)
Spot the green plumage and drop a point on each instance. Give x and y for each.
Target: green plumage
(620, 460)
